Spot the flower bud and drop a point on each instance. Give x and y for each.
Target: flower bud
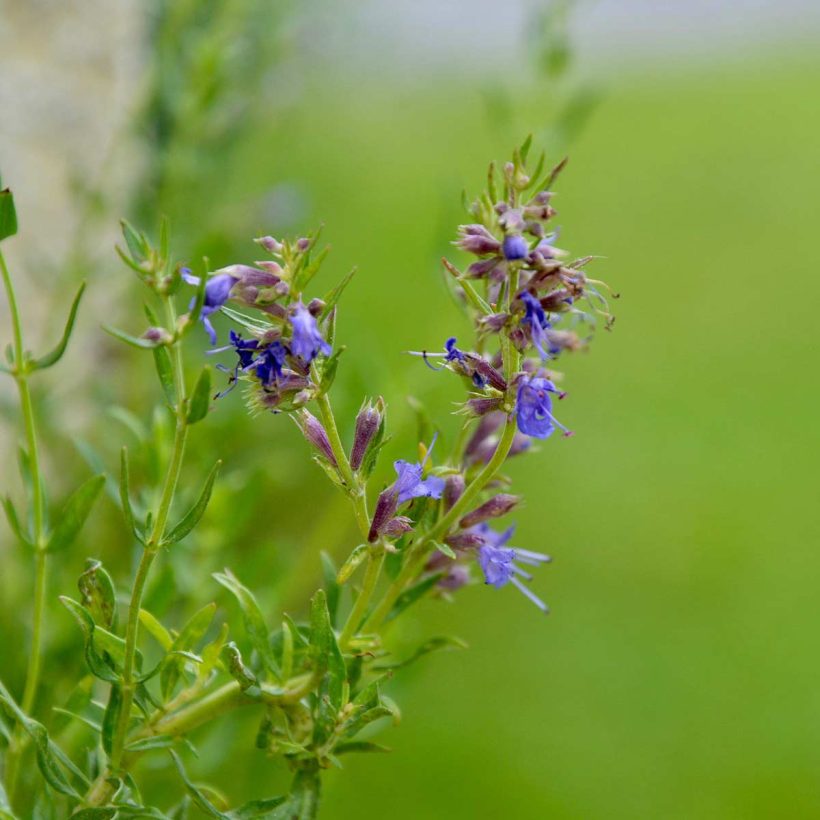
(497, 506)
(303, 244)
(367, 425)
(158, 335)
(315, 307)
(453, 489)
(385, 508)
(313, 431)
(269, 244)
(515, 247)
(488, 373)
(398, 526)
(457, 577)
(464, 540)
(481, 407)
(478, 240)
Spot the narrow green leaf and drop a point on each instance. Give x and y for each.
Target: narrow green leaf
(14, 522)
(192, 517)
(329, 573)
(8, 214)
(252, 616)
(352, 563)
(153, 742)
(236, 667)
(97, 666)
(81, 718)
(134, 341)
(97, 594)
(444, 549)
(125, 496)
(200, 800)
(328, 662)
(5, 807)
(97, 813)
(360, 746)
(135, 240)
(156, 629)
(111, 717)
(257, 809)
(56, 354)
(332, 297)
(248, 322)
(188, 638)
(74, 514)
(435, 644)
(201, 397)
(47, 762)
(165, 372)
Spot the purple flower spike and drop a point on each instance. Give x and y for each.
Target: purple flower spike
(515, 247)
(307, 342)
(534, 408)
(498, 563)
(217, 292)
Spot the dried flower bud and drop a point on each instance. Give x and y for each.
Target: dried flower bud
(269, 244)
(453, 488)
(398, 526)
(367, 424)
(315, 433)
(497, 506)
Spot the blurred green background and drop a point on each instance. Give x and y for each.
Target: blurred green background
(676, 676)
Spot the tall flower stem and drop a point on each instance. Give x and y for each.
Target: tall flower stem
(371, 577)
(356, 490)
(151, 547)
(21, 372)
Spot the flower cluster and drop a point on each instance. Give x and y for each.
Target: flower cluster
(529, 303)
(275, 362)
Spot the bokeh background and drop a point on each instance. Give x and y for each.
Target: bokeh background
(678, 673)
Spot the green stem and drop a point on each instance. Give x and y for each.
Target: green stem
(152, 546)
(21, 374)
(357, 492)
(371, 578)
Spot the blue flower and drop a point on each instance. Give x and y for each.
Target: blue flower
(245, 349)
(498, 562)
(217, 292)
(410, 484)
(307, 342)
(515, 247)
(268, 364)
(538, 323)
(534, 408)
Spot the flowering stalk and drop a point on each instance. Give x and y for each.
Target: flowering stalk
(21, 371)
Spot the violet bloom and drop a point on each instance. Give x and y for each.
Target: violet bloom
(537, 321)
(498, 562)
(268, 365)
(534, 408)
(307, 342)
(515, 247)
(410, 484)
(245, 350)
(217, 292)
